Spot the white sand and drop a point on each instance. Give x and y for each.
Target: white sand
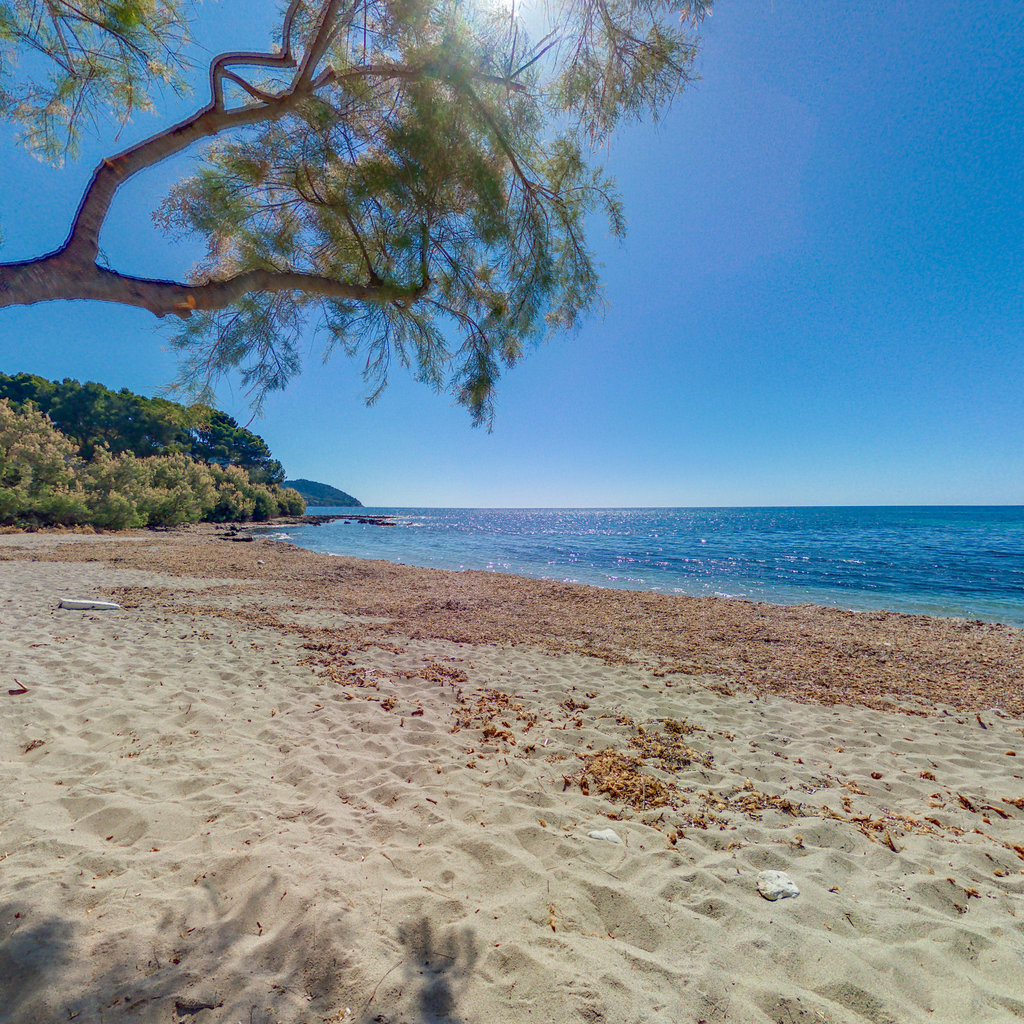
(196, 827)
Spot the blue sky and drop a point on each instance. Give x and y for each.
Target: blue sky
(820, 299)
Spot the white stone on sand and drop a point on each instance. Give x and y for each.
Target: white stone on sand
(776, 885)
(607, 834)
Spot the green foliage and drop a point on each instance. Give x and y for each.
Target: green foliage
(217, 438)
(409, 181)
(44, 481)
(120, 421)
(38, 465)
(290, 502)
(63, 63)
(464, 179)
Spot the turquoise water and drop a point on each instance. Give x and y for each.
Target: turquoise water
(964, 561)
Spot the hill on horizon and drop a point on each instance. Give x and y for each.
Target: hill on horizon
(321, 495)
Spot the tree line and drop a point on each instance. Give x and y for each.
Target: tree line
(80, 454)
(95, 417)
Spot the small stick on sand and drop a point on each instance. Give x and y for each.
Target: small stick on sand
(381, 982)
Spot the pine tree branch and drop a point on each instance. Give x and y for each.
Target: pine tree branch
(319, 43)
(60, 276)
(71, 270)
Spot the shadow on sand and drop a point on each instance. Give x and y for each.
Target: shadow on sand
(43, 976)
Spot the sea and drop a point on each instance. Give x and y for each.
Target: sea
(962, 561)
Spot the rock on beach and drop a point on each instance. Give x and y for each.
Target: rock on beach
(776, 885)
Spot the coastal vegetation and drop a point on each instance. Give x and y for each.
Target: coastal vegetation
(407, 180)
(116, 460)
(95, 417)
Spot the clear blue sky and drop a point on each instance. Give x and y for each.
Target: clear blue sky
(820, 299)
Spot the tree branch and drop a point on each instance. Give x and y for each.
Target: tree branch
(71, 272)
(112, 172)
(397, 71)
(211, 120)
(61, 277)
(318, 44)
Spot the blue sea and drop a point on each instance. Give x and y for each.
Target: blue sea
(965, 561)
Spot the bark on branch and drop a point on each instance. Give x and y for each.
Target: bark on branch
(61, 276)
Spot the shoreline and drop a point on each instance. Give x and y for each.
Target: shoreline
(807, 652)
(283, 786)
(250, 530)
(869, 594)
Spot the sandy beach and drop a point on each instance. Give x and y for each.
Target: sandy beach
(278, 786)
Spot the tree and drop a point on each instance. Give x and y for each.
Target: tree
(96, 418)
(410, 179)
(82, 59)
(218, 439)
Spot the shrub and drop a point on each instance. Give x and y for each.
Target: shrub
(44, 482)
(38, 467)
(290, 502)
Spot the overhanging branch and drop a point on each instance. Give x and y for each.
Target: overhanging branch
(71, 272)
(57, 277)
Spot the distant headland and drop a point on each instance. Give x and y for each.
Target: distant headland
(323, 495)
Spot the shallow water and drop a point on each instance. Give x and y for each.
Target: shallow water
(963, 561)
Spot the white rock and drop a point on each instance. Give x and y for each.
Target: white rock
(607, 834)
(80, 604)
(776, 885)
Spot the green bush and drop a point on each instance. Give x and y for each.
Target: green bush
(290, 502)
(38, 471)
(44, 482)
